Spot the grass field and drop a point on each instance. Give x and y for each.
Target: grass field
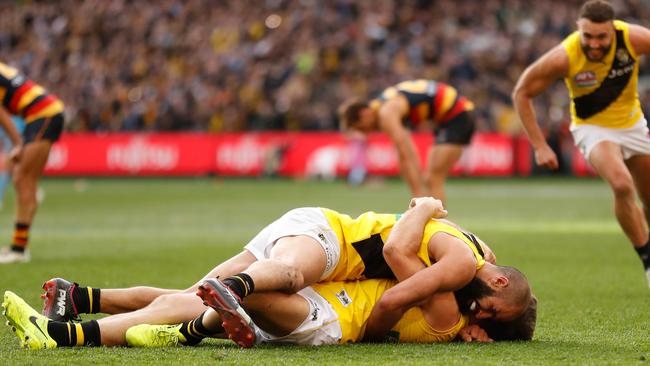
(594, 302)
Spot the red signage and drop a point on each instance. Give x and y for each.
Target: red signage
(325, 154)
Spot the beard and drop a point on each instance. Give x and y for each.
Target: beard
(603, 50)
(473, 291)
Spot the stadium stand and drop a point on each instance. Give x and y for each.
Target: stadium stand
(202, 65)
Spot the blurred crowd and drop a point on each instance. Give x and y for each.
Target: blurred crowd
(211, 65)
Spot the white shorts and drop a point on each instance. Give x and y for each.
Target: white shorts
(321, 326)
(633, 141)
(309, 221)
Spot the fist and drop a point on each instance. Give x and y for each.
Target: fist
(434, 206)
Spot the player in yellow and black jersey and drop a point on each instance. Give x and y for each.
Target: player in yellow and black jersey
(408, 106)
(600, 66)
(43, 116)
(310, 245)
(325, 313)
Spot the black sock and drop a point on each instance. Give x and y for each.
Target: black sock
(194, 331)
(74, 334)
(86, 299)
(644, 254)
(241, 284)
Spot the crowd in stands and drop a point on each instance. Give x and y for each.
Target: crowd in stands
(204, 65)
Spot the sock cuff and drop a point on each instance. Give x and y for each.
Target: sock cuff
(21, 226)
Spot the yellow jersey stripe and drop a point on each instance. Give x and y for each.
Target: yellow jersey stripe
(29, 96)
(49, 111)
(447, 103)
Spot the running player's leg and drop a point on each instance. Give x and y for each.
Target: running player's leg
(606, 157)
(639, 166)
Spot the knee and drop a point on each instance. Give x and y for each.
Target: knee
(164, 302)
(24, 185)
(294, 279)
(622, 187)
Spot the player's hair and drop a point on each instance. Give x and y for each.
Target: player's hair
(350, 112)
(518, 290)
(597, 11)
(520, 329)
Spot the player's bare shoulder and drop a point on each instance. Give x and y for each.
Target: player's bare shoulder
(640, 39)
(554, 63)
(392, 111)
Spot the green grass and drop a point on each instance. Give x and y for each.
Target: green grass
(594, 302)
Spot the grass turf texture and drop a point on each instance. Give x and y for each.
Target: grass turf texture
(169, 232)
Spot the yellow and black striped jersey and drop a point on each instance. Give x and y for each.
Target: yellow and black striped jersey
(353, 302)
(362, 240)
(604, 93)
(427, 99)
(22, 97)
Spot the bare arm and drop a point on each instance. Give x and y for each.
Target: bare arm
(401, 248)
(453, 270)
(640, 39)
(11, 130)
(535, 80)
(489, 255)
(390, 121)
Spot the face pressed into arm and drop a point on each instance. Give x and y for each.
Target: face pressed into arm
(482, 301)
(495, 308)
(595, 38)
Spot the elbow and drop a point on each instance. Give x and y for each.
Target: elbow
(519, 95)
(515, 94)
(391, 251)
(388, 303)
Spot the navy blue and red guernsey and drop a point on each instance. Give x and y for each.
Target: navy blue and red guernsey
(22, 97)
(428, 100)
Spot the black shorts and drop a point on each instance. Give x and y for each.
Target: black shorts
(458, 130)
(46, 128)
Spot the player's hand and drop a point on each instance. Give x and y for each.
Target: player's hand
(474, 333)
(544, 156)
(434, 206)
(16, 153)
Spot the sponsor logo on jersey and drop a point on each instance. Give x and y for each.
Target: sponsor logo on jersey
(586, 79)
(344, 298)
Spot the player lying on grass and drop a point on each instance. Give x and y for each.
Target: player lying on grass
(332, 313)
(64, 300)
(323, 313)
(335, 247)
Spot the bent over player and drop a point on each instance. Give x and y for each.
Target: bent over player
(408, 105)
